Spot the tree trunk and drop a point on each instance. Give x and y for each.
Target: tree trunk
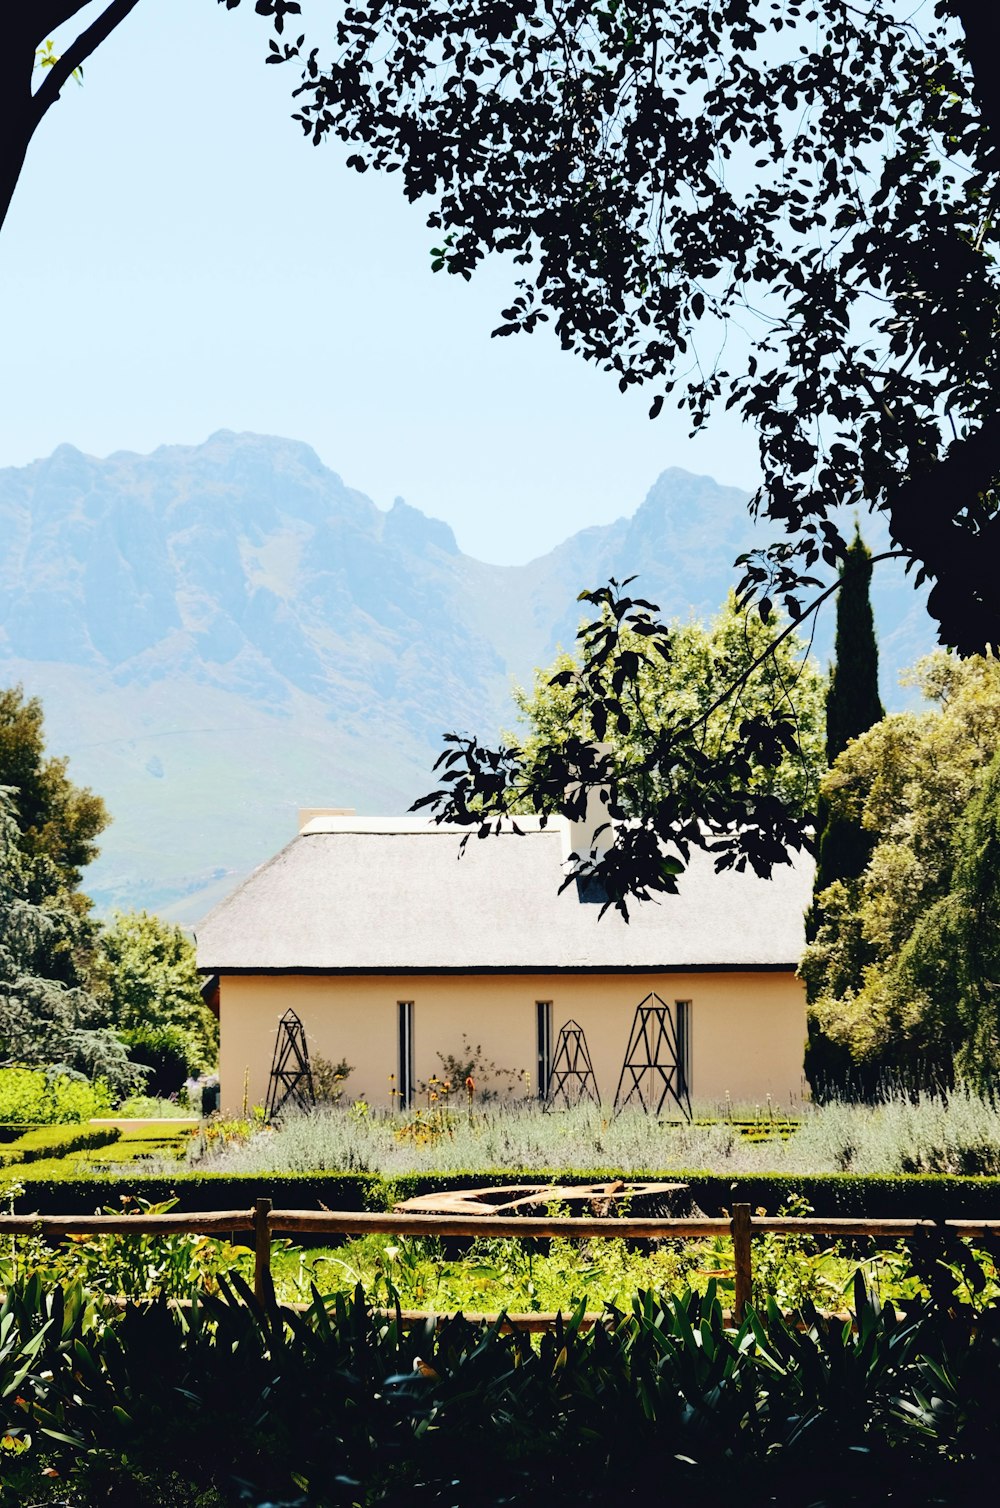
(19, 134)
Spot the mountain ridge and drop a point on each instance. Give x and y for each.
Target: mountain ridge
(223, 632)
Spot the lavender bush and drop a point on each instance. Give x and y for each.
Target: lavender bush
(929, 1134)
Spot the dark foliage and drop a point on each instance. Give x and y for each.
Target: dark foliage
(852, 706)
(165, 1053)
(789, 209)
(689, 790)
(853, 703)
(28, 25)
(337, 1405)
(785, 208)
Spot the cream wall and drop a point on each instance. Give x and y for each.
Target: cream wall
(747, 1030)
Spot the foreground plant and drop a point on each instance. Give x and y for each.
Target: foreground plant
(240, 1403)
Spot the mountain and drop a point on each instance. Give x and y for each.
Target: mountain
(221, 633)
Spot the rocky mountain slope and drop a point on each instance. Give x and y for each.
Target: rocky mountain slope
(224, 632)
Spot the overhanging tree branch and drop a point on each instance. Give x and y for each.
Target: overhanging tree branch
(605, 168)
(939, 517)
(980, 20)
(682, 787)
(47, 17)
(23, 110)
(789, 629)
(77, 53)
(27, 27)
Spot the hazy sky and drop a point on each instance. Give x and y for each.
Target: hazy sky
(178, 259)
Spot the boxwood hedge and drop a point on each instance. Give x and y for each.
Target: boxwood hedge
(11, 1130)
(936, 1197)
(44, 1143)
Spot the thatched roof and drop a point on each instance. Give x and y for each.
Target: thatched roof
(356, 895)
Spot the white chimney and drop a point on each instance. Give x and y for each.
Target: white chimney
(582, 836)
(309, 813)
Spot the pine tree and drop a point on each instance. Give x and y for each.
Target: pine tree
(43, 1021)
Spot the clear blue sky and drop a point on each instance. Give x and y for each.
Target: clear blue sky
(178, 259)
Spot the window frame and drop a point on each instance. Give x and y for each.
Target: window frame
(543, 1047)
(404, 1054)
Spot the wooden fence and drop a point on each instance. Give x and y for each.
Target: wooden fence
(263, 1222)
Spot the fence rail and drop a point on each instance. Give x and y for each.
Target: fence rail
(264, 1222)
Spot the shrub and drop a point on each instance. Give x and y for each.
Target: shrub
(150, 1107)
(51, 1188)
(43, 1097)
(167, 1052)
(56, 1141)
(329, 1078)
(470, 1063)
(338, 1405)
(959, 1134)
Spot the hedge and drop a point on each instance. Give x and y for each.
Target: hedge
(935, 1197)
(44, 1143)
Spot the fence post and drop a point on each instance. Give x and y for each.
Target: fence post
(261, 1247)
(742, 1228)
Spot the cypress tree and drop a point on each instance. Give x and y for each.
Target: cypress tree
(843, 846)
(852, 706)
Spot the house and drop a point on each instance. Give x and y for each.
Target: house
(391, 943)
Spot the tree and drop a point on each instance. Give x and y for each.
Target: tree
(690, 684)
(149, 982)
(43, 1020)
(785, 208)
(49, 1012)
(57, 823)
(27, 59)
(686, 789)
(843, 846)
(853, 705)
(880, 1005)
(948, 972)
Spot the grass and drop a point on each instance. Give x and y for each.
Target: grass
(929, 1134)
(139, 1106)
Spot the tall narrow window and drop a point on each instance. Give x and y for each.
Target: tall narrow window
(405, 1078)
(543, 1037)
(682, 1014)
